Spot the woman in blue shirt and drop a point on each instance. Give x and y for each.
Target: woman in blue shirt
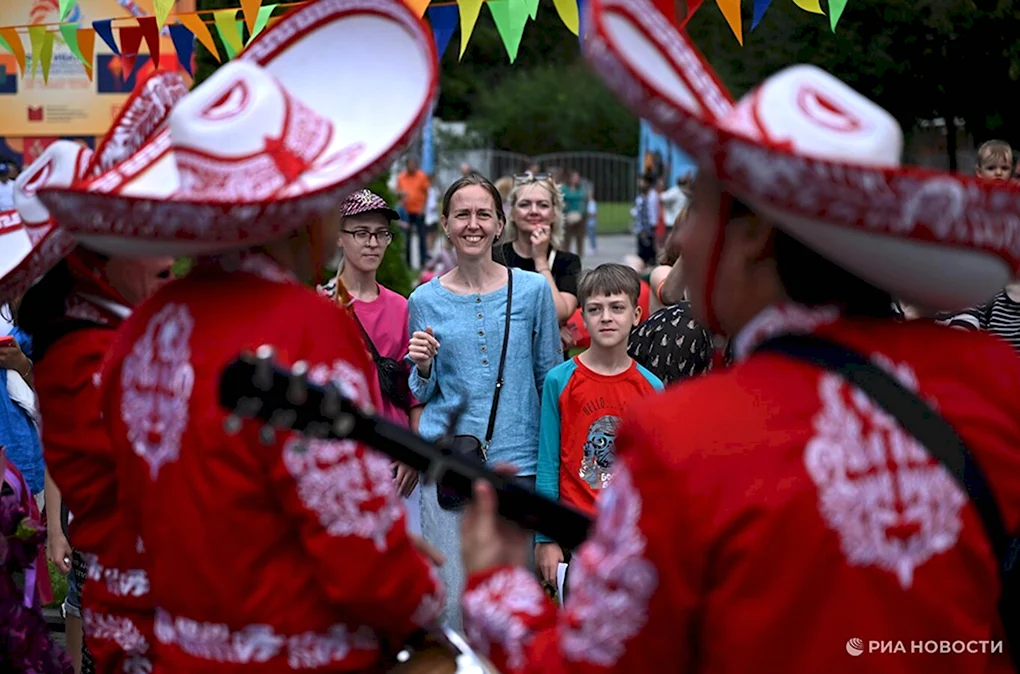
(457, 324)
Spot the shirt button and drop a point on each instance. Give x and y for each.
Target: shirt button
(485, 361)
(478, 300)
(481, 333)
(479, 315)
(483, 349)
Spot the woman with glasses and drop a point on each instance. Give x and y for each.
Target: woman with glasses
(382, 314)
(534, 235)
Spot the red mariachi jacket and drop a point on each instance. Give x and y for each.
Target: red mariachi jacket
(117, 609)
(262, 558)
(794, 528)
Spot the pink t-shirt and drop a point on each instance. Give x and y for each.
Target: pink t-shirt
(385, 321)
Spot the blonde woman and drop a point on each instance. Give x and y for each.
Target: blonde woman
(534, 236)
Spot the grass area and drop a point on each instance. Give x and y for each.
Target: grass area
(614, 217)
(59, 583)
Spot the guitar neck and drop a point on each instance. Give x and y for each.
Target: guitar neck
(324, 413)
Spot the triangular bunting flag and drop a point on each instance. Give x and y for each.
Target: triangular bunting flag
(731, 12)
(469, 10)
(582, 20)
(184, 44)
(692, 7)
(130, 42)
(150, 31)
(836, 8)
(418, 6)
(12, 43)
(46, 56)
(813, 6)
(444, 23)
(70, 33)
(510, 17)
(197, 27)
(261, 20)
(760, 7)
(105, 31)
(250, 9)
(226, 25)
(36, 35)
(532, 6)
(87, 46)
(65, 8)
(161, 9)
(567, 9)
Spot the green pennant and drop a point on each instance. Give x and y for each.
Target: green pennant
(532, 6)
(510, 17)
(261, 20)
(65, 8)
(6, 45)
(836, 8)
(70, 33)
(47, 56)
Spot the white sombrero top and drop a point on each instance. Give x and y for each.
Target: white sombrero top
(310, 111)
(31, 242)
(821, 160)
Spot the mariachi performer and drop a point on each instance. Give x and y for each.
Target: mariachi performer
(78, 299)
(791, 523)
(264, 553)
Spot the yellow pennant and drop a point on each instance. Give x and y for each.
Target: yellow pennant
(46, 56)
(36, 36)
(161, 9)
(469, 10)
(567, 10)
(813, 6)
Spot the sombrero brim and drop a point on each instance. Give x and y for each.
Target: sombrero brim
(26, 259)
(381, 96)
(938, 240)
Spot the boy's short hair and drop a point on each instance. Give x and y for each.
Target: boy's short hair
(609, 279)
(994, 148)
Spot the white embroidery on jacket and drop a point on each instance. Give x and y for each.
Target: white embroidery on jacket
(260, 643)
(129, 583)
(157, 379)
(348, 486)
(118, 629)
(611, 582)
(892, 504)
(431, 605)
(493, 613)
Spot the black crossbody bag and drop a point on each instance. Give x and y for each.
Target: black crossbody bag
(937, 436)
(392, 375)
(470, 445)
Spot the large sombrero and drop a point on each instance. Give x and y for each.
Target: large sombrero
(31, 242)
(820, 160)
(312, 110)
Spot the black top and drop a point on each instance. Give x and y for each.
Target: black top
(565, 269)
(671, 344)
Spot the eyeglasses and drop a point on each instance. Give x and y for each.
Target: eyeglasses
(363, 236)
(529, 177)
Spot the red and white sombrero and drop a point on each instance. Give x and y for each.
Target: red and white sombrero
(312, 110)
(31, 242)
(820, 160)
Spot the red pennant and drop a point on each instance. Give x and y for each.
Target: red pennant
(150, 31)
(130, 41)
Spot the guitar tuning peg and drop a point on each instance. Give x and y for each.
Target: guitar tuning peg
(297, 386)
(343, 425)
(263, 378)
(232, 424)
(283, 418)
(330, 407)
(267, 436)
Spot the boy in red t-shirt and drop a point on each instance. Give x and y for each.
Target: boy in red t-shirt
(584, 399)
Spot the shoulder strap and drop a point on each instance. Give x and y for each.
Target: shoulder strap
(502, 359)
(364, 333)
(937, 436)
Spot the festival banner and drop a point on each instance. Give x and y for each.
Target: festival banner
(69, 102)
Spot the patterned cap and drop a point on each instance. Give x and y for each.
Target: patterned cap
(367, 201)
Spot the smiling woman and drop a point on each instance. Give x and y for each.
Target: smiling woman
(458, 322)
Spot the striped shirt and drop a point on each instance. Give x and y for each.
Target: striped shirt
(1001, 317)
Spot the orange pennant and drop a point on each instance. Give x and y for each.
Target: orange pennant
(12, 38)
(418, 6)
(731, 12)
(250, 8)
(201, 32)
(87, 45)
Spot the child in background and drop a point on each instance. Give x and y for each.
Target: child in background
(995, 161)
(584, 399)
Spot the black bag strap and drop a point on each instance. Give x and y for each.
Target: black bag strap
(502, 361)
(364, 333)
(934, 434)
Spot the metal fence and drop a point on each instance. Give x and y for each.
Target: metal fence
(613, 177)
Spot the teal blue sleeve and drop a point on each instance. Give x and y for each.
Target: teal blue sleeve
(651, 378)
(547, 478)
(422, 389)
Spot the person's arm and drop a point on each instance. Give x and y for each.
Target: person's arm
(547, 478)
(58, 550)
(565, 290)
(423, 386)
(633, 585)
(547, 350)
(672, 286)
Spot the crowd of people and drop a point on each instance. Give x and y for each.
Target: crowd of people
(740, 423)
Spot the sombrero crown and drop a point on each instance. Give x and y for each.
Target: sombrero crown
(266, 145)
(820, 160)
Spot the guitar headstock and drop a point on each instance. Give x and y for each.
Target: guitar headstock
(256, 386)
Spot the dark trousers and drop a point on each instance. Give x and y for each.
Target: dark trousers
(646, 247)
(417, 226)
